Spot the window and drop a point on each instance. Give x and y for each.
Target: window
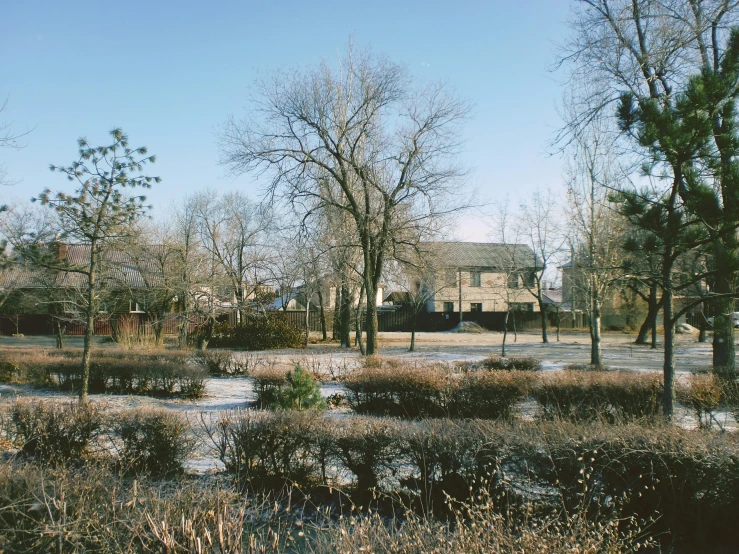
(448, 307)
(514, 280)
(522, 306)
(135, 308)
(476, 307)
(475, 278)
(450, 277)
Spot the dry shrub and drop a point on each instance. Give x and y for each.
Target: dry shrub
(702, 393)
(268, 449)
(219, 362)
(154, 375)
(91, 509)
(478, 527)
(490, 394)
(522, 364)
(588, 396)
(586, 367)
(445, 456)
(153, 442)
(55, 432)
(268, 382)
(367, 447)
(399, 390)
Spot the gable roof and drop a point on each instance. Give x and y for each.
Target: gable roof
(489, 255)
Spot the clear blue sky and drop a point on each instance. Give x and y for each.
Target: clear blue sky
(169, 73)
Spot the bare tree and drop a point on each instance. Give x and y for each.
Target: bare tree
(233, 230)
(597, 228)
(539, 228)
(361, 140)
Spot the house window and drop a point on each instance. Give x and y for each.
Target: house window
(450, 278)
(514, 280)
(475, 278)
(448, 307)
(135, 308)
(522, 306)
(476, 307)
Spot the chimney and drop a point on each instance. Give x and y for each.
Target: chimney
(61, 249)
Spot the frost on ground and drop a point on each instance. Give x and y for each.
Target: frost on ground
(333, 362)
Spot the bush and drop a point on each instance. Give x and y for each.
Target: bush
(154, 442)
(368, 448)
(294, 390)
(489, 394)
(55, 432)
(398, 390)
(157, 376)
(702, 393)
(216, 362)
(588, 396)
(258, 332)
(269, 449)
(521, 364)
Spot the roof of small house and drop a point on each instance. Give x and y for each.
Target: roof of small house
(488, 255)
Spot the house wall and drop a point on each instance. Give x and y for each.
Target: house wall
(492, 293)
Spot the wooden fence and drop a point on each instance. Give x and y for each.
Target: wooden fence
(387, 320)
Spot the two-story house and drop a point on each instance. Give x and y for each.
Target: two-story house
(479, 277)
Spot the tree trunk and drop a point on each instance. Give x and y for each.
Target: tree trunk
(505, 332)
(346, 315)
(336, 326)
(703, 325)
(371, 318)
(668, 399)
(558, 323)
(59, 335)
(650, 322)
(88, 338)
(322, 315)
(595, 349)
(307, 323)
(544, 323)
(358, 323)
(724, 354)
(413, 331)
(461, 310)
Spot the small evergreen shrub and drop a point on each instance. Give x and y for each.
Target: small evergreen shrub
(55, 432)
(153, 442)
(294, 390)
(258, 332)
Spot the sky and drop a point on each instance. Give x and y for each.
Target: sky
(170, 73)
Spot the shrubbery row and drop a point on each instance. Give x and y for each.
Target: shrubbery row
(148, 441)
(92, 509)
(689, 478)
(163, 375)
(404, 391)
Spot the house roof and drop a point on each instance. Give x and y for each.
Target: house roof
(479, 254)
(132, 271)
